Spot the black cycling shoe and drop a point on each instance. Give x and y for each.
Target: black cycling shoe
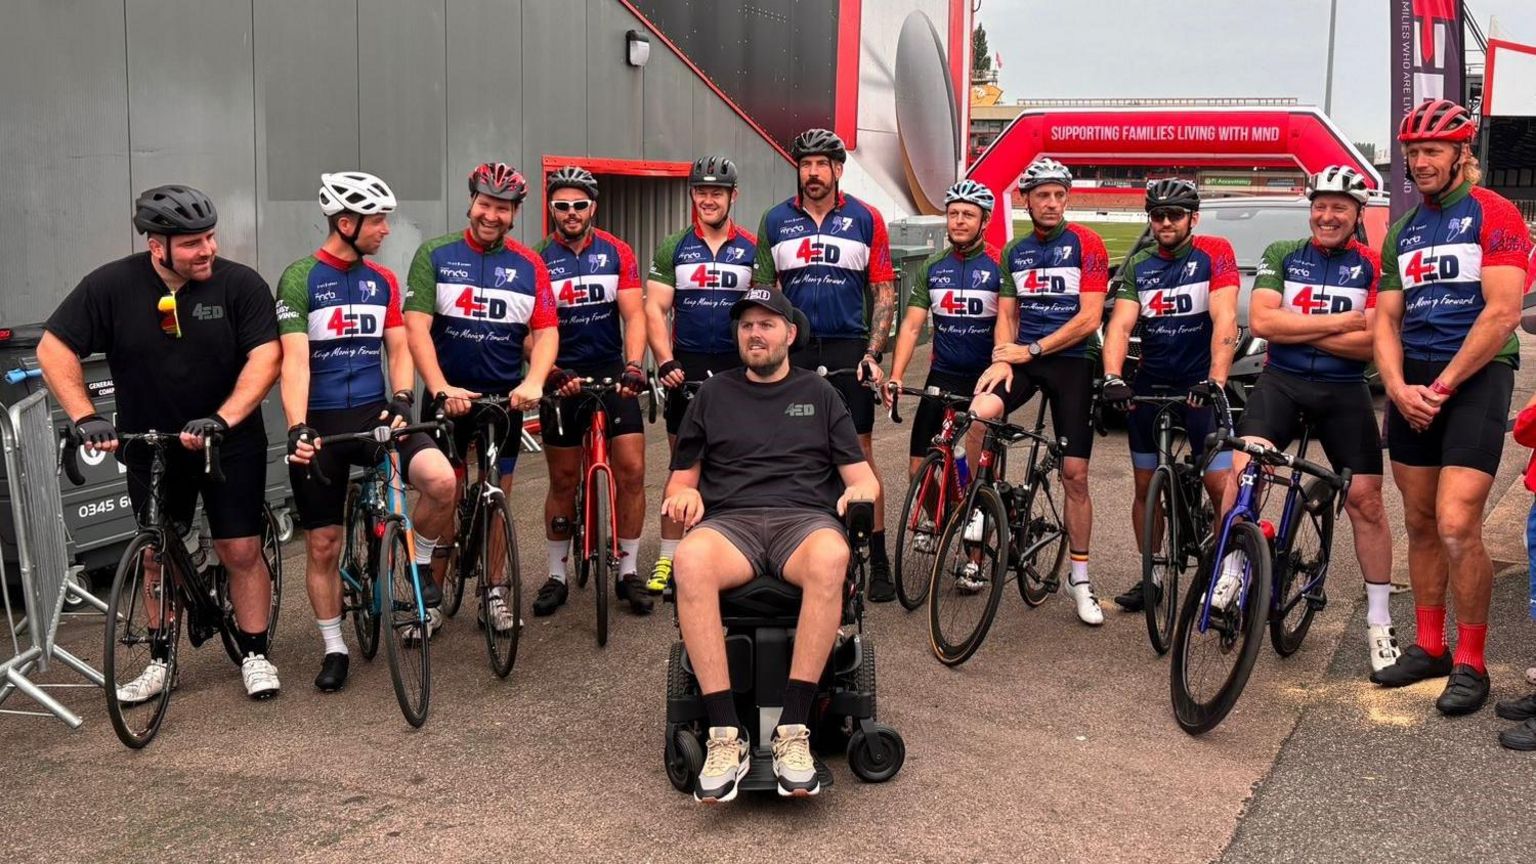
(333, 673)
(431, 592)
(551, 596)
(632, 588)
(1522, 737)
(881, 588)
(1466, 692)
(1412, 666)
(1517, 709)
(1135, 599)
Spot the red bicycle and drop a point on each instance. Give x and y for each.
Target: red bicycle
(933, 495)
(595, 534)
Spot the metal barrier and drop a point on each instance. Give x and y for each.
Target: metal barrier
(32, 476)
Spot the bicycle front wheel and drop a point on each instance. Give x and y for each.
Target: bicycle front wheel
(501, 587)
(143, 620)
(360, 561)
(405, 625)
(1162, 558)
(600, 564)
(1211, 665)
(272, 557)
(917, 536)
(1300, 570)
(967, 580)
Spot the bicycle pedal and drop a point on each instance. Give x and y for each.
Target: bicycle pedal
(1317, 602)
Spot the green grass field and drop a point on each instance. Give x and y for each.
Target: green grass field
(1118, 236)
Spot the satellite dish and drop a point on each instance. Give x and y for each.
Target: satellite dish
(927, 118)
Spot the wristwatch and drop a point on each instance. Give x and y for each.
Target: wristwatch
(1034, 349)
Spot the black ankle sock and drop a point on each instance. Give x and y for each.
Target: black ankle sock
(798, 696)
(877, 546)
(721, 709)
(251, 643)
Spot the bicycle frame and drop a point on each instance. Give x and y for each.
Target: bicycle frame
(594, 461)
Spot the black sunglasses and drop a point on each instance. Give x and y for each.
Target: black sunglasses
(1168, 214)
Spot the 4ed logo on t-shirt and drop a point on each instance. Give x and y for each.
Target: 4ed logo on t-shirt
(800, 409)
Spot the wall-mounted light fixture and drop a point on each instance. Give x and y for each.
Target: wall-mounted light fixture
(637, 48)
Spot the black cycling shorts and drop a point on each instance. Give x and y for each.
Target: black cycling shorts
(837, 354)
(624, 416)
(1338, 414)
(1067, 383)
(508, 429)
(928, 417)
(233, 507)
(322, 505)
(1469, 430)
(696, 367)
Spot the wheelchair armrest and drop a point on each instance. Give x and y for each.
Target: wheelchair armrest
(860, 518)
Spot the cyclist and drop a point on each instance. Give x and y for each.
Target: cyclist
(766, 461)
(1315, 301)
(1452, 273)
(471, 298)
(828, 251)
(960, 287)
(338, 313)
(1183, 288)
(203, 365)
(1059, 275)
(695, 276)
(596, 286)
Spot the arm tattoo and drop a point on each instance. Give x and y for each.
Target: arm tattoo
(1229, 340)
(881, 315)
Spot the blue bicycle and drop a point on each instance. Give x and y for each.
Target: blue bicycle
(379, 577)
(1246, 584)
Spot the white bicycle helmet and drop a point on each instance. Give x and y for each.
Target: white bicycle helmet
(1045, 170)
(1339, 179)
(355, 192)
(970, 192)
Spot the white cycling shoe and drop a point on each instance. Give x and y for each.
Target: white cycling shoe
(1086, 602)
(260, 677)
(1384, 650)
(150, 683)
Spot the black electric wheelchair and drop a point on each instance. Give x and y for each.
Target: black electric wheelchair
(760, 619)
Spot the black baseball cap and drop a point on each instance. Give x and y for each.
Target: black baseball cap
(768, 298)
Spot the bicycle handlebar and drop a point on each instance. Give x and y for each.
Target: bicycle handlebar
(936, 394)
(687, 388)
(385, 436)
(69, 453)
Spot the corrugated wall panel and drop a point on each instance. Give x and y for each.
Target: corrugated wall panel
(484, 100)
(614, 88)
(63, 150)
(669, 87)
(554, 69)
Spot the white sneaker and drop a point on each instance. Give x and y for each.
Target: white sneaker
(496, 606)
(434, 621)
(969, 580)
(1384, 651)
(149, 684)
(1229, 583)
(727, 759)
(973, 528)
(260, 677)
(1088, 609)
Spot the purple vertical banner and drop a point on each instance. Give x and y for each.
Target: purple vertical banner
(1427, 63)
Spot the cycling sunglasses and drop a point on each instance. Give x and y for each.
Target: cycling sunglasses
(580, 205)
(1168, 214)
(170, 324)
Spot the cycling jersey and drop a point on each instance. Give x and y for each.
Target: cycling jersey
(706, 284)
(586, 282)
(1312, 280)
(344, 308)
(1437, 252)
(1050, 274)
(1174, 292)
(960, 293)
(483, 302)
(825, 269)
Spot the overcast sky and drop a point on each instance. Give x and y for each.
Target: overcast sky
(1120, 48)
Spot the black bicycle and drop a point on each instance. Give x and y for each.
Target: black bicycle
(144, 620)
(484, 548)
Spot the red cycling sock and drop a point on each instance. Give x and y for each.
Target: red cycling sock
(1431, 629)
(1470, 639)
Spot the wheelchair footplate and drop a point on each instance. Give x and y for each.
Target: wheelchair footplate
(760, 778)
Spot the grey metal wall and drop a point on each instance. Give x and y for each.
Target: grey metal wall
(251, 100)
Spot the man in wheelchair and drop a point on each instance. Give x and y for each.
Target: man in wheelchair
(766, 461)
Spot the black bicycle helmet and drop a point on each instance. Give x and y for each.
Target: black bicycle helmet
(818, 142)
(713, 171)
(1172, 192)
(572, 177)
(174, 209)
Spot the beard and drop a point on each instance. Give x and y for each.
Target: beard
(769, 365)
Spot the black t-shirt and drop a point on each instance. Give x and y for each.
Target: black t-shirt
(767, 445)
(162, 381)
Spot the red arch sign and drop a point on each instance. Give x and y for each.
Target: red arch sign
(1240, 137)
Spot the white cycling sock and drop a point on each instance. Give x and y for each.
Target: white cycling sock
(669, 548)
(1079, 568)
(1378, 612)
(330, 631)
(558, 549)
(424, 547)
(629, 554)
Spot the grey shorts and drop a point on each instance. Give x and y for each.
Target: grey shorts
(768, 536)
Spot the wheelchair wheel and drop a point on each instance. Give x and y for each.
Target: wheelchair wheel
(685, 757)
(875, 758)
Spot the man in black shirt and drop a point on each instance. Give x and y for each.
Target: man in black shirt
(766, 460)
(191, 340)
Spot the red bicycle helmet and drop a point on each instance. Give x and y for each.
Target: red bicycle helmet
(1437, 120)
(498, 180)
